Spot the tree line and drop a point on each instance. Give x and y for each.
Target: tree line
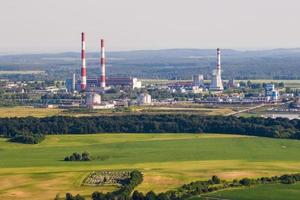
(163, 123)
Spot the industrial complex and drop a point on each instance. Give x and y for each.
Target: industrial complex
(102, 91)
(92, 88)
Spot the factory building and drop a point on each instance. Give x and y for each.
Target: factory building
(216, 81)
(198, 80)
(93, 83)
(92, 99)
(144, 99)
(71, 84)
(125, 82)
(232, 83)
(271, 93)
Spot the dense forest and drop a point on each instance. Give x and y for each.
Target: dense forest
(265, 127)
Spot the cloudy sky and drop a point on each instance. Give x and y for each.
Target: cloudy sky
(55, 25)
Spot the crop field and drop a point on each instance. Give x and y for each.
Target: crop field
(166, 160)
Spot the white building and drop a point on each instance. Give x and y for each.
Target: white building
(271, 92)
(144, 98)
(198, 80)
(93, 99)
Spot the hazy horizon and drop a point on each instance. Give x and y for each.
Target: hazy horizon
(54, 26)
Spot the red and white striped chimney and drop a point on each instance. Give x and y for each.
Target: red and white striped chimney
(102, 60)
(83, 64)
(218, 61)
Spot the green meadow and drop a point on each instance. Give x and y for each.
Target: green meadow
(265, 192)
(166, 160)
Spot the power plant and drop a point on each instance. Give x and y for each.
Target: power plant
(102, 83)
(216, 81)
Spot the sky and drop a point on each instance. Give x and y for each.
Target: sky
(56, 25)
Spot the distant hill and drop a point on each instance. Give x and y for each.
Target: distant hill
(165, 63)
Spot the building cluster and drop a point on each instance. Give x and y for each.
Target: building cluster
(88, 92)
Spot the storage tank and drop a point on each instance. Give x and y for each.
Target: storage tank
(93, 99)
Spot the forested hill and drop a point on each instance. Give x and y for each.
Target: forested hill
(275, 128)
(161, 64)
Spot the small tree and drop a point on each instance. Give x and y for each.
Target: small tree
(85, 156)
(77, 156)
(69, 196)
(72, 158)
(137, 196)
(151, 196)
(245, 182)
(216, 180)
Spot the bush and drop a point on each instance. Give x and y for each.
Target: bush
(27, 138)
(245, 182)
(69, 196)
(216, 180)
(77, 157)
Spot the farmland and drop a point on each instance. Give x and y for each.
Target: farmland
(167, 161)
(26, 111)
(278, 191)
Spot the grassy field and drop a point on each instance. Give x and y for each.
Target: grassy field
(265, 192)
(167, 161)
(25, 111)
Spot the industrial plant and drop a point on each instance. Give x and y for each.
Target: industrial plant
(112, 92)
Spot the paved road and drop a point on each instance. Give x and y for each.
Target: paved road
(245, 110)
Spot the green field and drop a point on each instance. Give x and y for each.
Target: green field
(167, 161)
(265, 192)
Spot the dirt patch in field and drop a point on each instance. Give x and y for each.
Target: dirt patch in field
(8, 182)
(236, 174)
(155, 180)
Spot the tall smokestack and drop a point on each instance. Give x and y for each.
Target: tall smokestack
(218, 61)
(102, 78)
(83, 64)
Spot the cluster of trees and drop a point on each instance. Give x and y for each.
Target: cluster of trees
(163, 123)
(188, 190)
(69, 196)
(27, 138)
(85, 156)
(124, 192)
